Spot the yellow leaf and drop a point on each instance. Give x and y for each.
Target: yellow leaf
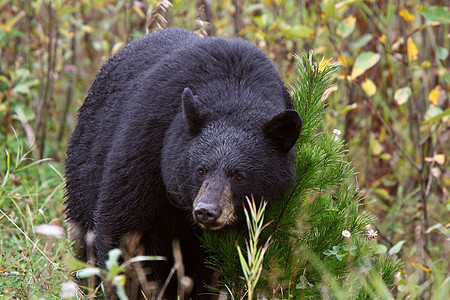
(425, 64)
(369, 87)
(323, 64)
(13, 21)
(439, 158)
(121, 280)
(350, 20)
(328, 92)
(101, 3)
(117, 46)
(65, 24)
(412, 50)
(385, 156)
(441, 71)
(424, 268)
(435, 94)
(343, 61)
(382, 134)
(377, 148)
(406, 15)
(446, 180)
(382, 39)
(87, 28)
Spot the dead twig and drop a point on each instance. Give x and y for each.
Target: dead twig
(157, 15)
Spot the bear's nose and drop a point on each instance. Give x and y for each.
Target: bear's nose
(206, 214)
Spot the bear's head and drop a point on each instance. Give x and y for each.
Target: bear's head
(212, 161)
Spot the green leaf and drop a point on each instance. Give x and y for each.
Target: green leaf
(438, 226)
(381, 248)
(347, 109)
(435, 114)
(442, 53)
(328, 9)
(114, 271)
(119, 283)
(113, 258)
(446, 76)
(396, 249)
(351, 248)
(346, 3)
(438, 14)
(364, 265)
(33, 163)
(361, 42)
(303, 284)
(297, 31)
(244, 265)
(346, 26)
(146, 258)
(88, 272)
(262, 20)
(402, 95)
(24, 87)
(75, 264)
(364, 61)
(328, 252)
(4, 79)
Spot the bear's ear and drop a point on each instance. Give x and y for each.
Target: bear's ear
(192, 111)
(283, 130)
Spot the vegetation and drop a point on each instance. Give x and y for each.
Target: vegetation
(320, 240)
(390, 102)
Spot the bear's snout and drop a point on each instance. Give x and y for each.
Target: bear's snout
(213, 207)
(207, 214)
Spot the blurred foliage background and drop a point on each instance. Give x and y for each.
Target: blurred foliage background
(390, 102)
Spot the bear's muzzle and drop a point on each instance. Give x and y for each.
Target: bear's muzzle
(213, 206)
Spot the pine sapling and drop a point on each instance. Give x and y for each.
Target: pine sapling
(320, 245)
(252, 267)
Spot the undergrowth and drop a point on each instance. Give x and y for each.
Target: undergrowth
(319, 241)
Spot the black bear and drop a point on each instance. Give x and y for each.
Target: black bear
(176, 131)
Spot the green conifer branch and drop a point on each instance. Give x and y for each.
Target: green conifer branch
(309, 251)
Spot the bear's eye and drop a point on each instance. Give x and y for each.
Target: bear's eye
(239, 178)
(201, 172)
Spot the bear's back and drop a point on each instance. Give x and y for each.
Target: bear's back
(100, 115)
(121, 70)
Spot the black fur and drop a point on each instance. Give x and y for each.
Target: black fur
(133, 159)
